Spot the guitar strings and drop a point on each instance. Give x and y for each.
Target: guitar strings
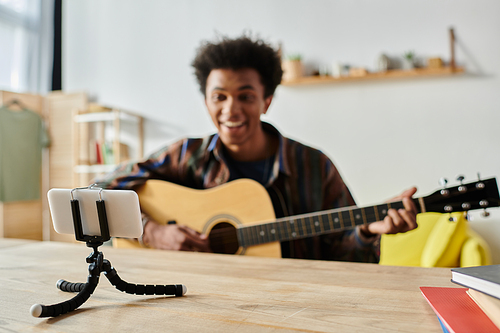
(285, 227)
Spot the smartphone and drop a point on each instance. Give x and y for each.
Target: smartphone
(122, 210)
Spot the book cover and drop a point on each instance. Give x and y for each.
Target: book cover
(443, 327)
(490, 305)
(98, 150)
(482, 278)
(107, 153)
(457, 311)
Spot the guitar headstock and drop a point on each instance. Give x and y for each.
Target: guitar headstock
(480, 194)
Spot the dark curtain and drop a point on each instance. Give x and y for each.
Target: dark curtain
(56, 68)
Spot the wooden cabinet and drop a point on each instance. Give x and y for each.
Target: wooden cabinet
(60, 108)
(21, 219)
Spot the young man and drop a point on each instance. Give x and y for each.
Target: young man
(238, 78)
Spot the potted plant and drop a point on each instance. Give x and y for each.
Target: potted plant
(409, 60)
(292, 67)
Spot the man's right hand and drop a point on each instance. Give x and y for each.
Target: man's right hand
(174, 237)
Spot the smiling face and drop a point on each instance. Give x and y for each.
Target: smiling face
(235, 100)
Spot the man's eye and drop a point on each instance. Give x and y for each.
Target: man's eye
(218, 97)
(247, 97)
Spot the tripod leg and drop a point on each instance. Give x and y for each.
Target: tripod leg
(39, 310)
(55, 310)
(64, 285)
(140, 289)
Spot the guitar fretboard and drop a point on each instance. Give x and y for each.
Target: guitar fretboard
(308, 225)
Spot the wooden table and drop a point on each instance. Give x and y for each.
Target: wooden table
(225, 293)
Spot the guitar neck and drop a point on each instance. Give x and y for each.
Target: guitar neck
(314, 224)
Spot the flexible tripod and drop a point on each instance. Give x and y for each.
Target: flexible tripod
(97, 265)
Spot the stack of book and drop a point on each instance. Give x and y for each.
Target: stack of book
(475, 308)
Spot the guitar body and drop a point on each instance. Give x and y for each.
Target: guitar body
(237, 203)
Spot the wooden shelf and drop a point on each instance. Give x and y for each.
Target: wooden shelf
(391, 74)
(107, 116)
(95, 168)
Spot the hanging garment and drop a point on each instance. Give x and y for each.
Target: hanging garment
(22, 137)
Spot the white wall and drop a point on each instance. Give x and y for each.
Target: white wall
(383, 135)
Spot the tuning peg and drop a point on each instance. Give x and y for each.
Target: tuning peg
(466, 206)
(485, 213)
(479, 185)
(444, 192)
(443, 182)
(461, 188)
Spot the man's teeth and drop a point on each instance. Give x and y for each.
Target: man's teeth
(233, 123)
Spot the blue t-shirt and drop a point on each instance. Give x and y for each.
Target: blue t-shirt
(259, 171)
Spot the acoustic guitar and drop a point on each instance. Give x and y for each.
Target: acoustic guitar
(238, 217)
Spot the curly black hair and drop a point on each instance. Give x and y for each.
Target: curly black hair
(239, 53)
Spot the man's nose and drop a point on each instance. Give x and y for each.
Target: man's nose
(231, 106)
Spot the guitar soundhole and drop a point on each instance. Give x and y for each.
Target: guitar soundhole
(223, 238)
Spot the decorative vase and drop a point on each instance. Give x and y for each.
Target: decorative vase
(292, 70)
(408, 63)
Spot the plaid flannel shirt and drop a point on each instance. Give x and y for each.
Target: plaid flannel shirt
(303, 180)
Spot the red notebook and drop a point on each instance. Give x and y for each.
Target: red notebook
(457, 311)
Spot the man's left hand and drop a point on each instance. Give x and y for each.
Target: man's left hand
(396, 221)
